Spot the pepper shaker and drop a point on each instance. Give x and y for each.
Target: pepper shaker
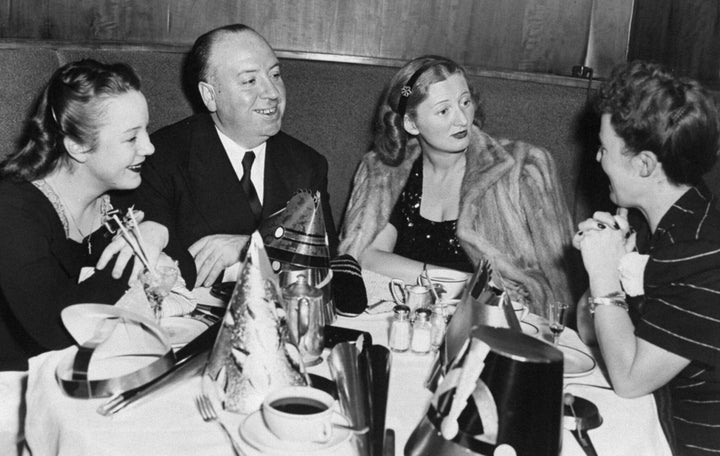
(421, 331)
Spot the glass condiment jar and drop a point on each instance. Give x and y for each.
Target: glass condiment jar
(438, 325)
(400, 329)
(421, 331)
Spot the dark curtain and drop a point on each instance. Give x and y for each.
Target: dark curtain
(683, 34)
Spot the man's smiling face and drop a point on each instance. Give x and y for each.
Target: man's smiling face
(245, 92)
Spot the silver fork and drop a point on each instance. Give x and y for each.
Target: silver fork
(208, 414)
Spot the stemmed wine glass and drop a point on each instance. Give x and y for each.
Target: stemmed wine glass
(556, 318)
(157, 284)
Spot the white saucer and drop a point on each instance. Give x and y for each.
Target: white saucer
(254, 432)
(181, 330)
(576, 363)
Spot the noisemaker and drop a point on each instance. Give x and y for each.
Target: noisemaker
(485, 302)
(117, 350)
(502, 394)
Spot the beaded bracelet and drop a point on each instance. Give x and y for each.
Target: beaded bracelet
(616, 298)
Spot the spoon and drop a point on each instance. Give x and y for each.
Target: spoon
(353, 429)
(431, 285)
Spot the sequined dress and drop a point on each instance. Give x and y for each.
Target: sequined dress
(421, 239)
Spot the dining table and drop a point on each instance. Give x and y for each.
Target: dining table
(169, 422)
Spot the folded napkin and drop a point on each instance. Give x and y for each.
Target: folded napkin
(179, 302)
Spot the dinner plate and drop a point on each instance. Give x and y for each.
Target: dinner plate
(577, 363)
(529, 328)
(204, 296)
(83, 322)
(181, 330)
(254, 431)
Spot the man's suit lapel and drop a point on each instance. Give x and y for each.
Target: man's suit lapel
(213, 184)
(278, 173)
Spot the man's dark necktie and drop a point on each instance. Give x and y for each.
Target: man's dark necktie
(248, 186)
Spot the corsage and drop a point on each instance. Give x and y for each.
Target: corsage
(632, 272)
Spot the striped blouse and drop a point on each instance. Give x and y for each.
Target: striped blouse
(681, 313)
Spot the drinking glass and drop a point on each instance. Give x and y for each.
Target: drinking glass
(157, 284)
(556, 318)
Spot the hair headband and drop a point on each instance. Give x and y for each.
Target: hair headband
(407, 89)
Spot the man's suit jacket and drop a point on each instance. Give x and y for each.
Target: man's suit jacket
(190, 186)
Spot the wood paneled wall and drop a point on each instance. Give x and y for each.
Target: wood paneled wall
(684, 34)
(547, 36)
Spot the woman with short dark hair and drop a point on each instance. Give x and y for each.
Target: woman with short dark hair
(654, 305)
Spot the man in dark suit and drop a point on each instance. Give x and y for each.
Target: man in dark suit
(216, 175)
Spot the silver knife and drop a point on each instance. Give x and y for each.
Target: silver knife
(389, 443)
(177, 374)
(190, 360)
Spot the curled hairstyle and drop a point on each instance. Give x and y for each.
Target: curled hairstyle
(197, 64)
(72, 105)
(675, 118)
(390, 136)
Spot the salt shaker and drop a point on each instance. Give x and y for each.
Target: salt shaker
(421, 331)
(400, 329)
(438, 325)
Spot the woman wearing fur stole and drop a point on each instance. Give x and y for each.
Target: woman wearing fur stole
(439, 191)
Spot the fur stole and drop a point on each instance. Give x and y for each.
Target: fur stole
(512, 211)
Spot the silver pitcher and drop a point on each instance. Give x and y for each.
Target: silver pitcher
(306, 319)
(320, 278)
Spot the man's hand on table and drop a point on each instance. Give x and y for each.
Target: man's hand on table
(214, 253)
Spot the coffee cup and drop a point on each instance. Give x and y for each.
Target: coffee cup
(449, 283)
(299, 414)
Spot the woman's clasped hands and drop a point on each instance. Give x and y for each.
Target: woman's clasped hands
(603, 240)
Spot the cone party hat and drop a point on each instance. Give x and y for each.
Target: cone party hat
(296, 235)
(252, 355)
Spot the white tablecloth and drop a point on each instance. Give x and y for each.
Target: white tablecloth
(630, 426)
(170, 424)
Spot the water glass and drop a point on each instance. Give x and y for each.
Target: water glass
(556, 318)
(157, 284)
